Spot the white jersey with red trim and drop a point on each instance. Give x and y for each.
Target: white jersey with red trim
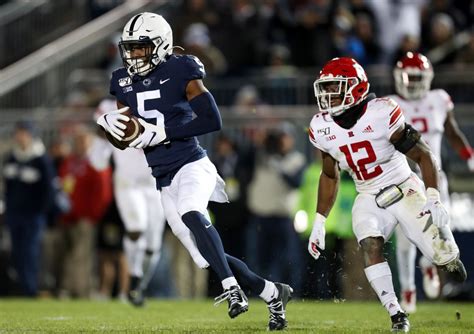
(365, 150)
(428, 115)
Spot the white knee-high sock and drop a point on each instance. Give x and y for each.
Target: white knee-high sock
(380, 278)
(406, 258)
(135, 253)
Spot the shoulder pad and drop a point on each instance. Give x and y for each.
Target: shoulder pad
(190, 67)
(445, 98)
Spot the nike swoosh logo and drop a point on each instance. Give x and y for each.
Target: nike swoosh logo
(153, 136)
(207, 226)
(163, 81)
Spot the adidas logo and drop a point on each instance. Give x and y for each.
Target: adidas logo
(410, 192)
(368, 129)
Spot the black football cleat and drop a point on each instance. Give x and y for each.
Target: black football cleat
(456, 270)
(136, 298)
(135, 295)
(237, 300)
(400, 323)
(277, 308)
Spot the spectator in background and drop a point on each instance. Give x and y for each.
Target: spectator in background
(272, 191)
(346, 42)
(248, 101)
(364, 28)
(395, 19)
(455, 10)
(28, 173)
(409, 43)
(279, 62)
(90, 193)
(193, 11)
(50, 270)
(281, 76)
(197, 42)
(311, 30)
(465, 56)
(241, 21)
(441, 34)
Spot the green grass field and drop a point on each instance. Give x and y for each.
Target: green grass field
(170, 316)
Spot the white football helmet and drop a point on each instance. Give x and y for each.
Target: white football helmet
(413, 74)
(150, 32)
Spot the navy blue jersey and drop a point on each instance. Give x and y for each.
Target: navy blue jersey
(160, 98)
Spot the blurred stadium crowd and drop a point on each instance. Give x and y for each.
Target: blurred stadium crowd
(261, 56)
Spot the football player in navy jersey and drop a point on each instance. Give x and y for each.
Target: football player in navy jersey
(166, 92)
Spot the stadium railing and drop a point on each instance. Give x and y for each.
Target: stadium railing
(238, 123)
(25, 26)
(38, 79)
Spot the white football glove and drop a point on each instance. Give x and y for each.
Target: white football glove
(112, 122)
(433, 206)
(151, 136)
(316, 239)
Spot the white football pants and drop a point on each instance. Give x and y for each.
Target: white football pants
(191, 189)
(406, 251)
(438, 245)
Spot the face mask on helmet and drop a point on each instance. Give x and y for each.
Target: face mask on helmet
(138, 57)
(342, 84)
(411, 83)
(146, 41)
(413, 75)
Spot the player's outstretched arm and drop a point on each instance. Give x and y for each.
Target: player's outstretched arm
(327, 192)
(458, 140)
(208, 117)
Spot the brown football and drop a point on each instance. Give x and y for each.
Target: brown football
(132, 131)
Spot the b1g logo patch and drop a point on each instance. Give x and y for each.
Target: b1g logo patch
(324, 131)
(125, 81)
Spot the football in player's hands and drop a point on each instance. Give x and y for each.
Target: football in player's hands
(132, 130)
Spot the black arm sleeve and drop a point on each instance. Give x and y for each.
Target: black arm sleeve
(408, 140)
(208, 119)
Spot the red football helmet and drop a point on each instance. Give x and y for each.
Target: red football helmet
(342, 84)
(413, 75)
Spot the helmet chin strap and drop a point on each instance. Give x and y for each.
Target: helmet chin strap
(139, 68)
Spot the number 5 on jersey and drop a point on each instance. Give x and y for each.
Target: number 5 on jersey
(151, 113)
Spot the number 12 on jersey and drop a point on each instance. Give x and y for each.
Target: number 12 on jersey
(359, 167)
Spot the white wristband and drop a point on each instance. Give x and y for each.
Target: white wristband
(432, 194)
(320, 218)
